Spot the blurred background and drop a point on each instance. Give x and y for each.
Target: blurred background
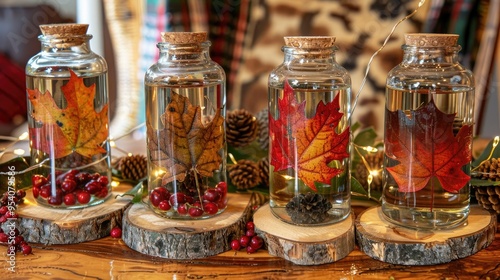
(246, 37)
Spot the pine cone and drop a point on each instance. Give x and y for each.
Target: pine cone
(133, 167)
(489, 197)
(241, 128)
(375, 162)
(309, 208)
(489, 170)
(263, 121)
(264, 171)
(245, 174)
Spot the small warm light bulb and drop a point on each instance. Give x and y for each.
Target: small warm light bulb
(370, 149)
(19, 152)
(115, 183)
(112, 143)
(23, 136)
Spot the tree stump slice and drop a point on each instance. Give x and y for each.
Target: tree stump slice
(41, 224)
(302, 245)
(394, 244)
(150, 234)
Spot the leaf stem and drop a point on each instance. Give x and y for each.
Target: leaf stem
(198, 189)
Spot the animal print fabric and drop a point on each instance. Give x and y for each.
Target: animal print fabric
(360, 28)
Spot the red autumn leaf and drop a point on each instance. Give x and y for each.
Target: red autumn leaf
(75, 128)
(307, 145)
(425, 147)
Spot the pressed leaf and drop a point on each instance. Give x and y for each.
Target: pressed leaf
(308, 145)
(75, 128)
(425, 147)
(186, 143)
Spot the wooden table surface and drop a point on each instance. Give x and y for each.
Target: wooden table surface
(110, 258)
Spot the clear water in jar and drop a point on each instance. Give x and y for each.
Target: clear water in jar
(189, 194)
(285, 184)
(431, 207)
(90, 176)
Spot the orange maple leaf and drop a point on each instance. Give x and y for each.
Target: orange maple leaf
(186, 143)
(308, 145)
(75, 128)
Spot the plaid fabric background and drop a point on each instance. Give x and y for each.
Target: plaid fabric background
(224, 20)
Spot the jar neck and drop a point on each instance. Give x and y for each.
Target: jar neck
(78, 44)
(300, 55)
(430, 55)
(184, 52)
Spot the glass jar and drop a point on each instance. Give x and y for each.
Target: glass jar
(185, 119)
(428, 135)
(309, 134)
(68, 119)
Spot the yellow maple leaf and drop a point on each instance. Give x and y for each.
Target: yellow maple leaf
(75, 128)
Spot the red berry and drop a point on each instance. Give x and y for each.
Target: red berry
(45, 191)
(250, 232)
(38, 180)
(36, 192)
(103, 180)
(83, 197)
(116, 232)
(3, 210)
(82, 178)
(55, 200)
(4, 237)
(196, 204)
(195, 212)
(155, 198)
(92, 187)
(21, 193)
(164, 205)
(3, 219)
(250, 225)
(210, 208)
(69, 199)
(221, 187)
(244, 241)
(251, 250)
(95, 176)
(102, 193)
(26, 249)
(165, 194)
(68, 185)
(18, 239)
(177, 198)
(235, 245)
(211, 195)
(182, 209)
(256, 242)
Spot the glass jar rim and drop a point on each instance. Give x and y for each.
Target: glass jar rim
(454, 48)
(65, 38)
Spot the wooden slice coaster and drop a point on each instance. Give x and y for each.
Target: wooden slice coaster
(41, 224)
(311, 245)
(394, 244)
(147, 233)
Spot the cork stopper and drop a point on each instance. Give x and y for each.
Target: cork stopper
(183, 37)
(63, 30)
(310, 42)
(431, 40)
(65, 35)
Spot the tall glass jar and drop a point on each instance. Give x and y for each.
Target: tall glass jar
(309, 134)
(185, 119)
(67, 90)
(428, 135)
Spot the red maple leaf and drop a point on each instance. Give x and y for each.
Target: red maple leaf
(307, 145)
(425, 147)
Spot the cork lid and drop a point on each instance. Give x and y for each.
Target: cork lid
(310, 42)
(184, 37)
(431, 40)
(62, 30)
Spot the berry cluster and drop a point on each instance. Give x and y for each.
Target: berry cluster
(250, 240)
(72, 187)
(213, 199)
(12, 239)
